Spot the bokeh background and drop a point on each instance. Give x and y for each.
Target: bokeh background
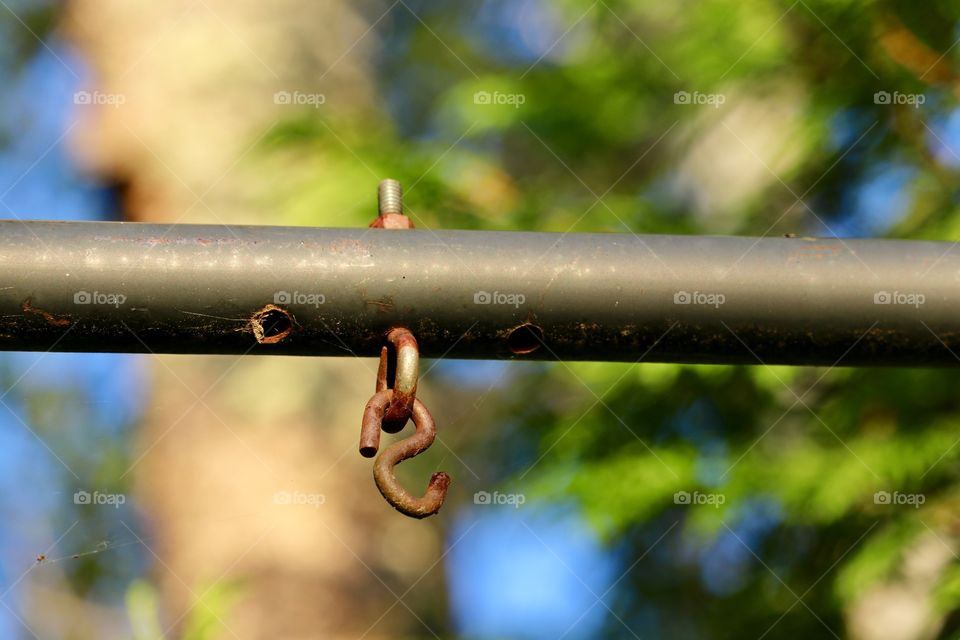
(641, 500)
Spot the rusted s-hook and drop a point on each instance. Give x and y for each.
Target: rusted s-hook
(389, 409)
(396, 453)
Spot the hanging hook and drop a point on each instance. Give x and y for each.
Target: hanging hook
(383, 473)
(395, 400)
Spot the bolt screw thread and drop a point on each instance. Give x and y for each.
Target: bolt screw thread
(390, 197)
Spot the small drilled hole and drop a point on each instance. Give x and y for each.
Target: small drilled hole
(526, 338)
(274, 323)
(271, 324)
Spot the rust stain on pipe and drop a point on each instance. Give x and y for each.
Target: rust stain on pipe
(49, 317)
(382, 305)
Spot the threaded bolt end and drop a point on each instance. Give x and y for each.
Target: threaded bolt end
(390, 197)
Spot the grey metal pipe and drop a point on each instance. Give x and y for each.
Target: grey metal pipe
(127, 287)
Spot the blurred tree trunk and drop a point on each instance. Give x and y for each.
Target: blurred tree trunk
(904, 607)
(224, 435)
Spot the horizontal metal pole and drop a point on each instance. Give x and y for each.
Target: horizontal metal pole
(129, 287)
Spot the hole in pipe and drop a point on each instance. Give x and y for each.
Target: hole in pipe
(526, 338)
(271, 324)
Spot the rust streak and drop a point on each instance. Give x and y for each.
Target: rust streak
(49, 317)
(383, 306)
(349, 246)
(816, 252)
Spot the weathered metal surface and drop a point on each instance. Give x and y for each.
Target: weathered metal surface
(130, 287)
